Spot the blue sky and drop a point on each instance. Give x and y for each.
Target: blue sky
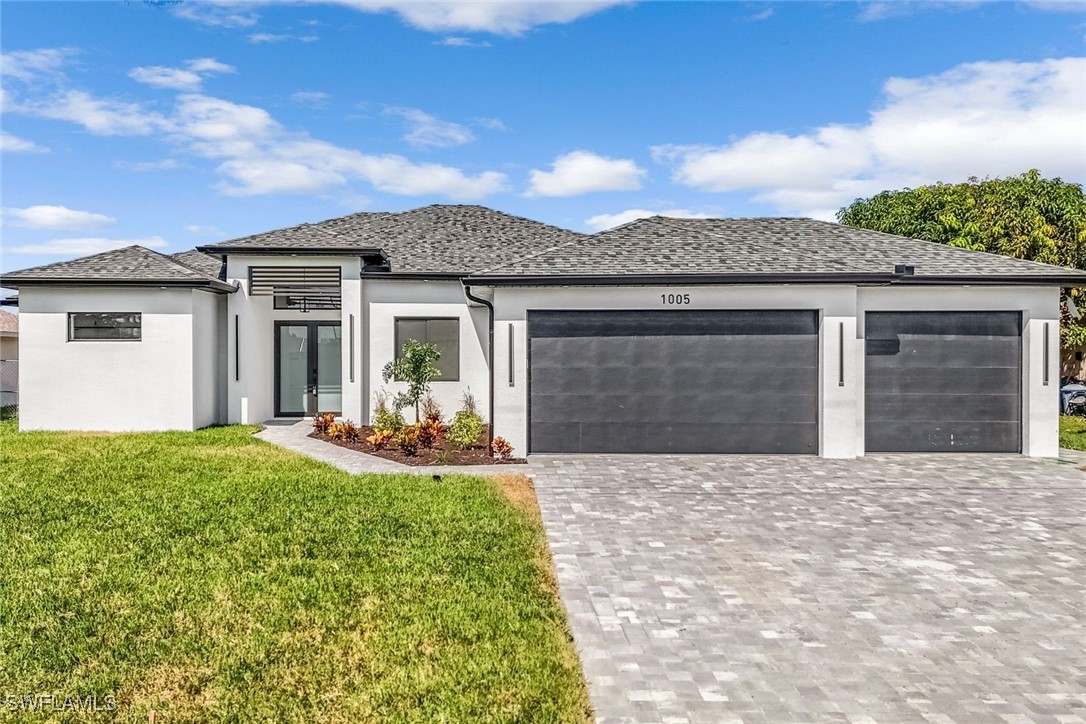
(177, 125)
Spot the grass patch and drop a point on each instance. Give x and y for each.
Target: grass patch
(1073, 432)
(211, 576)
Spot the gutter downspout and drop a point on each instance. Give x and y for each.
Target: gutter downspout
(489, 356)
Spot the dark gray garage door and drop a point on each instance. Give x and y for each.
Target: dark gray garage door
(673, 381)
(943, 381)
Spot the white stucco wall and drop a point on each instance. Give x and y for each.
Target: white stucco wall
(384, 301)
(841, 418)
(106, 385)
(208, 358)
(251, 382)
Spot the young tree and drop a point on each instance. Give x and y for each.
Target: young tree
(1026, 216)
(415, 367)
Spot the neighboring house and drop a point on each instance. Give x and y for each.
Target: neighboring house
(9, 359)
(770, 335)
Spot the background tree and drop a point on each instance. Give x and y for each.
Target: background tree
(415, 367)
(1026, 216)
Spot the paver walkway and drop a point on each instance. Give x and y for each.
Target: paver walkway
(782, 589)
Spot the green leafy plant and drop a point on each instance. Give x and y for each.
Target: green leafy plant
(323, 421)
(345, 431)
(416, 366)
(1025, 216)
(465, 429)
(407, 440)
(385, 418)
(500, 447)
(381, 438)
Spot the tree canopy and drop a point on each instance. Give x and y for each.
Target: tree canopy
(1026, 216)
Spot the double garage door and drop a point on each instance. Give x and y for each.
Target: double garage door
(747, 381)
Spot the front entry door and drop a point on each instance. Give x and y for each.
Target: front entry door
(308, 368)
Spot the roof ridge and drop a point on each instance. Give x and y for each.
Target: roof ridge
(533, 255)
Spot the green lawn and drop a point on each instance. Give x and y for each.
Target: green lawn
(1073, 432)
(212, 576)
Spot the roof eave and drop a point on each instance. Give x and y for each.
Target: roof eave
(862, 278)
(211, 285)
(289, 251)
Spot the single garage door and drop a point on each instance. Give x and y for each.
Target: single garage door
(943, 381)
(673, 381)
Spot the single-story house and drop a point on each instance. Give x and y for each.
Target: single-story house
(9, 359)
(759, 335)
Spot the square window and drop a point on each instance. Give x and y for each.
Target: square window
(443, 333)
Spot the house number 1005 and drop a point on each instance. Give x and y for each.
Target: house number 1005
(674, 299)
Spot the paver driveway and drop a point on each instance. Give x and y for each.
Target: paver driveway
(890, 588)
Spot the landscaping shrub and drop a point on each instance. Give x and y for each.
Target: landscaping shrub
(323, 421)
(468, 403)
(465, 429)
(430, 432)
(345, 431)
(500, 447)
(385, 418)
(408, 440)
(381, 438)
(430, 409)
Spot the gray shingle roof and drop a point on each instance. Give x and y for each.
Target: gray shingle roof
(9, 322)
(769, 246)
(201, 262)
(495, 247)
(129, 265)
(447, 239)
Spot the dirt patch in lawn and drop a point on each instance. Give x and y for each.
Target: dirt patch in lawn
(443, 452)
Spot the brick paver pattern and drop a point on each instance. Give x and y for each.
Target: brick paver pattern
(897, 588)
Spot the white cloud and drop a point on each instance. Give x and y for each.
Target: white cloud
(201, 230)
(764, 14)
(10, 143)
(429, 131)
(166, 164)
(314, 99)
(609, 221)
(46, 216)
(259, 156)
(208, 65)
(29, 65)
(84, 246)
(222, 15)
(161, 76)
(977, 119)
(102, 116)
(255, 153)
(508, 17)
(278, 38)
(493, 124)
(581, 172)
(455, 41)
(874, 11)
(189, 78)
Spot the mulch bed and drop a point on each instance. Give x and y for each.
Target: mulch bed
(443, 453)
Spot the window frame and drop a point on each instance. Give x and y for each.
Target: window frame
(398, 343)
(138, 327)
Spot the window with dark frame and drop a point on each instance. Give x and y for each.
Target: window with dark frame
(442, 332)
(108, 326)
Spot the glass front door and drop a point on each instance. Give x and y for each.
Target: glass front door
(308, 368)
